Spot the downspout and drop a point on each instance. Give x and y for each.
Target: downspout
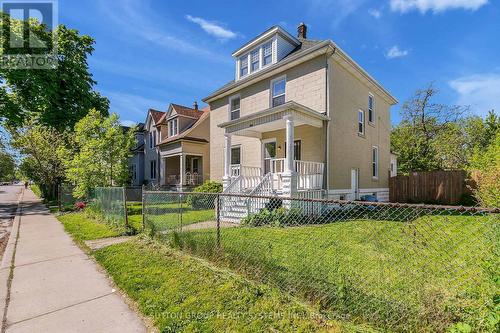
(328, 130)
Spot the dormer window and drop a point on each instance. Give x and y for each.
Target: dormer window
(173, 127)
(267, 51)
(255, 56)
(243, 66)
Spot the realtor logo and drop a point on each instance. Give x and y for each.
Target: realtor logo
(28, 34)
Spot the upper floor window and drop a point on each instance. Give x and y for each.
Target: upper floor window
(361, 122)
(255, 58)
(371, 112)
(267, 53)
(173, 127)
(152, 169)
(375, 162)
(234, 105)
(243, 66)
(151, 145)
(278, 92)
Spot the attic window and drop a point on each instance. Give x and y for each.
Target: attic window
(172, 127)
(268, 54)
(255, 56)
(243, 66)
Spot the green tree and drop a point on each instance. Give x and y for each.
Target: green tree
(59, 96)
(99, 153)
(486, 163)
(7, 166)
(38, 144)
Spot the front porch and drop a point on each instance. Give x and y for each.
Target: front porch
(182, 171)
(300, 173)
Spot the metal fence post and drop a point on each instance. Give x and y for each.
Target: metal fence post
(143, 208)
(218, 220)
(125, 207)
(180, 210)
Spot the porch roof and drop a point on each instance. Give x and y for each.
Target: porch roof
(268, 120)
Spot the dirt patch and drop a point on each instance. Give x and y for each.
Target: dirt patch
(103, 242)
(5, 226)
(208, 225)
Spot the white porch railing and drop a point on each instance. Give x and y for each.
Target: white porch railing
(246, 171)
(309, 174)
(192, 179)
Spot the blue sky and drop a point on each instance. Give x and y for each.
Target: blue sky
(151, 53)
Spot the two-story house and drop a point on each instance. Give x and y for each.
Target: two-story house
(301, 118)
(136, 162)
(177, 147)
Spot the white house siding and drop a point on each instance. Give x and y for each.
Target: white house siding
(283, 48)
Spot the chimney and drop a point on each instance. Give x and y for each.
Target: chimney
(195, 105)
(302, 31)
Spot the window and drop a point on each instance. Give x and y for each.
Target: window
(361, 122)
(152, 169)
(371, 112)
(255, 58)
(375, 162)
(243, 66)
(297, 150)
(236, 155)
(234, 105)
(267, 53)
(278, 92)
(172, 127)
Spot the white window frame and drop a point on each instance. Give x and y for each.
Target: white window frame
(241, 154)
(229, 111)
(264, 56)
(173, 130)
(362, 122)
(241, 67)
(375, 161)
(257, 51)
(271, 90)
(371, 110)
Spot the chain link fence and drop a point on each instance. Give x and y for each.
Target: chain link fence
(109, 202)
(396, 267)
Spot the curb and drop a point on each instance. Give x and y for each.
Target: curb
(8, 259)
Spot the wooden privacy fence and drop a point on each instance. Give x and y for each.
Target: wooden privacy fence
(443, 187)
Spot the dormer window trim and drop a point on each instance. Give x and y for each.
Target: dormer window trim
(173, 127)
(248, 59)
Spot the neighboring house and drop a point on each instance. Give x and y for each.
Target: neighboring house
(177, 147)
(136, 162)
(293, 94)
(151, 156)
(184, 147)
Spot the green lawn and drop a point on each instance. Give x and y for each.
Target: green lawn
(425, 276)
(182, 294)
(163, 217)
(81, 227)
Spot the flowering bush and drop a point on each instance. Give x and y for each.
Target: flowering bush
(80, 205)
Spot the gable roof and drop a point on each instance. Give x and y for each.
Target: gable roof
(180, 110)
(185, 135)
(156, 115)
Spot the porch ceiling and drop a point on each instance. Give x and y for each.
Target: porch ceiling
(269, 120)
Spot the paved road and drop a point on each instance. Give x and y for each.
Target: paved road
(8, 200)
(55, 287)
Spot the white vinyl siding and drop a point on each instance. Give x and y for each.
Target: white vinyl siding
(361, 122)
(283, 48)
(375, 162)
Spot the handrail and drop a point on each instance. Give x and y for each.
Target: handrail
(301, 167)
(265, 187)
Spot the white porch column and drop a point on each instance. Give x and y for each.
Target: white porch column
(289, 175)
(163, 167)
(226, 179)
(182, 169)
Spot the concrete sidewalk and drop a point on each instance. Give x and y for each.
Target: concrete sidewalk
(55, 287)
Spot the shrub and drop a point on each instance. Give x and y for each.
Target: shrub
(79, 205)
(203, 201)
(487, 163)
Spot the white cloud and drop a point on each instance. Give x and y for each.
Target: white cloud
(480, 91)
(375, 13)
(395, 52)
(336, 10)
(212, 28)
(435, 6)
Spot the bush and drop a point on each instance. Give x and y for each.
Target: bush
(36, 190)
(203, 201)
(487, 163)
(80, 205)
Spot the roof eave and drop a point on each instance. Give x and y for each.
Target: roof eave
(260, 38)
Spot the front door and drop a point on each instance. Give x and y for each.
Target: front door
(355, 184)
(269, 154)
